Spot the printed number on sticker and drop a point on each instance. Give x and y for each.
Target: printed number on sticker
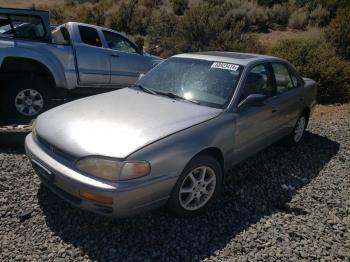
(226, 66)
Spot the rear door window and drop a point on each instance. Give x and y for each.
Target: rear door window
(22, 26)
(284, 81)
(89, 36)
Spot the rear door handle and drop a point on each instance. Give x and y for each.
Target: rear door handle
(114, 55)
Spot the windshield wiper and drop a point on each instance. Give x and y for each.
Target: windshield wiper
(145, 89)
(175, 96)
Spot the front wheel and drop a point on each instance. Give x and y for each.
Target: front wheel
(197, 187)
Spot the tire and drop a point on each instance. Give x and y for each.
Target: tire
(201, 194)
(297, 134)
(27, 98)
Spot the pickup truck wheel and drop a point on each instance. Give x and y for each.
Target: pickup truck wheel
(197, 187)
(27, 100)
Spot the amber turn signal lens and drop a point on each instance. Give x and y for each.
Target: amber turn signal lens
(96, 198)
(141, 169)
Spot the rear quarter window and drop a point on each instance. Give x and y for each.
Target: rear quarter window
(89, 36)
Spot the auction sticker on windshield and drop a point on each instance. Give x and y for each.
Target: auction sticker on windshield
(226, 66)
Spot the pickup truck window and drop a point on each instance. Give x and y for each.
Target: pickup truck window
(118, 43)
(22, 26)
(89, 36)
(5, 26)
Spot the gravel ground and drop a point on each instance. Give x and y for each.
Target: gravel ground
(282, 204)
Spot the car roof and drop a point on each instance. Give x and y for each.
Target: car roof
(230, 57)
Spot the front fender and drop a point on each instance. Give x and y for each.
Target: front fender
(170, 155)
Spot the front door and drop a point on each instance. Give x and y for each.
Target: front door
(255, 124)
(126, 62)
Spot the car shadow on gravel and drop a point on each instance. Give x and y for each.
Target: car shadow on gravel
(256, 188)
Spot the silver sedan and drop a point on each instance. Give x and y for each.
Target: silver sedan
(170, 138)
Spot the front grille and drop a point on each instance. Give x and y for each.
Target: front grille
(52, 150)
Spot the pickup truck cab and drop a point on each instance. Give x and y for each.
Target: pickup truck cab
(37, 64)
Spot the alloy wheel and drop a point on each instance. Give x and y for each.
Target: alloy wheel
(197, 188)
(299, 129)
(29, 102)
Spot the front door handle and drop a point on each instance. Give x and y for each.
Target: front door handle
(114, 55)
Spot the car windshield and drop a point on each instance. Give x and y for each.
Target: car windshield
(205, 82)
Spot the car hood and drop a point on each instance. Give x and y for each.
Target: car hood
(117, 123)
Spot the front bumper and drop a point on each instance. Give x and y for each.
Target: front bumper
(129, 197)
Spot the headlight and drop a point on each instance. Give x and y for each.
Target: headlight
(112, 169)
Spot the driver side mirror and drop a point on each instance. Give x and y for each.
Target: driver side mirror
(252, 100)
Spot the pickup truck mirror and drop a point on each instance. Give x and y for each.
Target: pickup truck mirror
(252, 100)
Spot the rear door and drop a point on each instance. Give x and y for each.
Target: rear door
(126, 62)
(92, 60)
(288, 96)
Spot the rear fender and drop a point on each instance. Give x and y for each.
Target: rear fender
(52, 64)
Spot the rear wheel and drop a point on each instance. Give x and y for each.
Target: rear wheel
(197, 187)
(298, 132)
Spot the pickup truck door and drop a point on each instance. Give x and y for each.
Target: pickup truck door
(255, 125)
(126, 62)
(92, 60)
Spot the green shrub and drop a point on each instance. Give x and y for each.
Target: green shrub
(318, 61)
(210, 28)
(140, 20)
(96, 15)
(299, 19)
(253, 16)
(57, 14)
(270, 3)
(179, 6)
(160, 34)
(338, 33)
(120, 20)
(319, 17)
(279, 14)
(152, 3)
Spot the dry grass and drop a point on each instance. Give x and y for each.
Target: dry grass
(27, 3)
(272, 38)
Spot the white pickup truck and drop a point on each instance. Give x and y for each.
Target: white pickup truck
(37, 64)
